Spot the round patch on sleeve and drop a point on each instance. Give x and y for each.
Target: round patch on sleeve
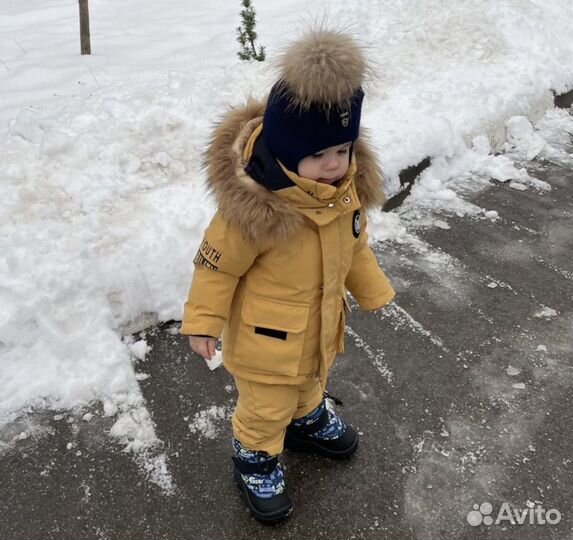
(356, 224)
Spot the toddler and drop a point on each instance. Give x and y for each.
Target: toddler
(292, 180)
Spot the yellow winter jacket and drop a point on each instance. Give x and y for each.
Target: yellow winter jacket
(273, 267)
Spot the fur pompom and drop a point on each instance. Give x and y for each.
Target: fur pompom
(324, 67)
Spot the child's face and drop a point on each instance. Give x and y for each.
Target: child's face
(326, 166)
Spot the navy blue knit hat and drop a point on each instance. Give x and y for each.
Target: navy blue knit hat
(291, 133)
(318, 99)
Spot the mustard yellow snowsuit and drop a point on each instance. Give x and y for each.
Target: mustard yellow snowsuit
(271, 276)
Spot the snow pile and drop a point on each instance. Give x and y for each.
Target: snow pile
(520, 134)
(552, 134)
(102, 203)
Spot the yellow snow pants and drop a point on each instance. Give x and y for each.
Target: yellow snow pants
(265, 410)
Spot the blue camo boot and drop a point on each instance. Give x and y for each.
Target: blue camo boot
(260, 478)
(322, 432)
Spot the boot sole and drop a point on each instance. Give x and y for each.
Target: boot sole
(267, 518)
(312, 447)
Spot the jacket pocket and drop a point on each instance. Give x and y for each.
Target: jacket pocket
(270, 336)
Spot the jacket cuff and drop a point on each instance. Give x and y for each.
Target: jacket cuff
(376, 302)
(212, 328)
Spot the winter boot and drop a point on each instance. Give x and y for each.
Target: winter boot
(322, 432)
(261, 480)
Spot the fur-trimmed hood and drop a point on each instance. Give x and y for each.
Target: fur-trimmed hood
(262, 215)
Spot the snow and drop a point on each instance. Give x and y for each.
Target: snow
(546, 313)
(376, 357)
(102, 193)
(206, 422)
(512, 371)
(139, 349)
(520, 133)
(134, 430)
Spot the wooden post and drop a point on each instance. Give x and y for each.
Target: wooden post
(85, 27)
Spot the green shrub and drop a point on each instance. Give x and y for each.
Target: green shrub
(247, 35)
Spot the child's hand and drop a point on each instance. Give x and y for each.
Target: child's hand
(203, 346)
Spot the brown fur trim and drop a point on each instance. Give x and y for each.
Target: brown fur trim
(324, 66)
(369, 178)
(262, 216)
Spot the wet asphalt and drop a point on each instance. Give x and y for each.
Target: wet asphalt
(461, 390)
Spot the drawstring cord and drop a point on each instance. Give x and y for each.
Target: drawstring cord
(337, 401)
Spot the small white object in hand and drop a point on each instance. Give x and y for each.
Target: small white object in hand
(215, 362)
